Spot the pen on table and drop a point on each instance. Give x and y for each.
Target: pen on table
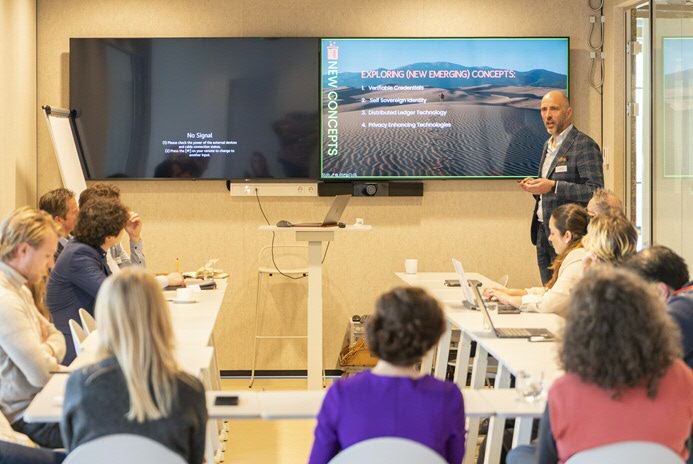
(177, 265)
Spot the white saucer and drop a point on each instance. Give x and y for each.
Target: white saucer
(184, 301)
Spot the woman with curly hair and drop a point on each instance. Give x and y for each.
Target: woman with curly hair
(81, 267)
(568, 224)
(395, 399)
(623, 377)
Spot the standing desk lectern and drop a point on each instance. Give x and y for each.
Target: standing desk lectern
(315, 236)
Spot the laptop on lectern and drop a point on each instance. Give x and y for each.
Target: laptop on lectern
(331, 219)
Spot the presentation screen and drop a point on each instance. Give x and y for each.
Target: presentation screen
(205, 108)
(436, 108)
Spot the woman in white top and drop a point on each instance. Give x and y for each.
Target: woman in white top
(568, 224)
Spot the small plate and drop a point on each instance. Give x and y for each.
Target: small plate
(184, 301)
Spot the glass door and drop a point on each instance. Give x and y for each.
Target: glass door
(672, 122)
(638, 154)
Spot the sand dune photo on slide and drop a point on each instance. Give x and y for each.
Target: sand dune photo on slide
(493, 131)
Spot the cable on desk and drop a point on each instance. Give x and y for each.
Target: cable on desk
(257, 197)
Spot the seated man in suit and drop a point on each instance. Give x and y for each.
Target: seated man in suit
(62, 206)
(81, 268)
(117, 257)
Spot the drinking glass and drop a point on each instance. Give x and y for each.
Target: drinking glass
(529, 388)
(208, 270)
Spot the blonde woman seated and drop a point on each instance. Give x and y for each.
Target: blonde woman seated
(568, 224)
(611, 238)
(395, 399)
(624, 379)
(137, 387)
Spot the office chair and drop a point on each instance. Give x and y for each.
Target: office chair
(78, 335)
(88, 321)
(123, 447)
(388, 450)
(627, 452)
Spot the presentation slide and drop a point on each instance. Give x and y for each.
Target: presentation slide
(446, 108)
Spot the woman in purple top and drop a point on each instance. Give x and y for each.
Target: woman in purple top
(395, 399)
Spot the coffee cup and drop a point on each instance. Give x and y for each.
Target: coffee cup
(410, 266)
(184, 294)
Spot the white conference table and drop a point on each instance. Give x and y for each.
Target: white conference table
(47, 405)
(315, 236)
(200, 315)
(305, 404)
(538, 359)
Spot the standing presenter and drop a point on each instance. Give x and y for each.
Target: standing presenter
(569, 172)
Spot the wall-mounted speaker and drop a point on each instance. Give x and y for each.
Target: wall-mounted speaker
(375, 189)
(371, 189)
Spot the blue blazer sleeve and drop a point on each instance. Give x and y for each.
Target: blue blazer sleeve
(87, 272)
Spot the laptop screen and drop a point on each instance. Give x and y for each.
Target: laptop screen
(487, 317)
(466, 290)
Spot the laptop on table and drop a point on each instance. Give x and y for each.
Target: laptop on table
(519, 332)
(331, 219)
(469, 302)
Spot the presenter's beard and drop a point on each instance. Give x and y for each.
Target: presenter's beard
(553, 130)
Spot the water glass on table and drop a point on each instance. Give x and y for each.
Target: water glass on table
(529, 388)
(208, 270)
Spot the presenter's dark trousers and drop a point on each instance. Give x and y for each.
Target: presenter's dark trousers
(545, 254)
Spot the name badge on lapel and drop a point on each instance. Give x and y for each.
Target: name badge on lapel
(561, 168)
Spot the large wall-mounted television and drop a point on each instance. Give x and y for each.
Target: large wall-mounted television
(445, 108)
(204, 108)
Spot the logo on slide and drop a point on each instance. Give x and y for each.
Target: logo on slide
(332, 51)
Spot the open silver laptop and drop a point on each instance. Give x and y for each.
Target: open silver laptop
(331, 219)
(468, 300)
(502, 308)
(512, 332)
